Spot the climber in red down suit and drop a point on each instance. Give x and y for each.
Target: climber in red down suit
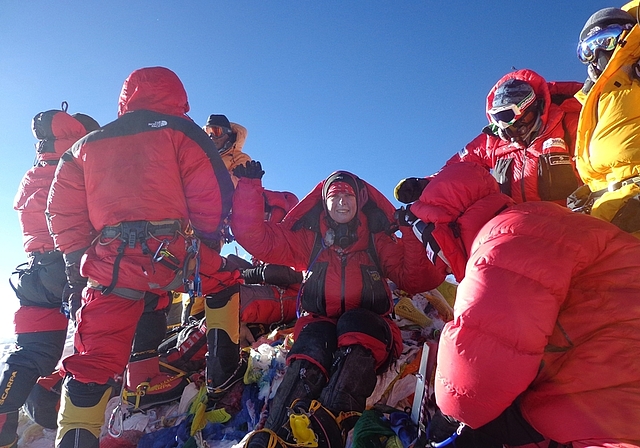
(135, 207)
(40, 326)
(342, 235)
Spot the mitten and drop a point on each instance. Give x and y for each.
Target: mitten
(409, 190)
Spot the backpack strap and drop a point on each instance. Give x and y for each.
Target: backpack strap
(315, 251)
(371, 250)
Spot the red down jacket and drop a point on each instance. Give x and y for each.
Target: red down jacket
(547, 311)
(57, 131)
(339, 273)
(151, 164)
(520, 165)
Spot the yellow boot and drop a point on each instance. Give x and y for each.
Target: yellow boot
(81, 415)
(225, 366)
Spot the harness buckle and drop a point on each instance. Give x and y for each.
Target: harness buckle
(132, 238)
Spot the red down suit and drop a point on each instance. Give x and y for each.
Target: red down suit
(155, 165)
(40, 326)
(547, 312)
(338, 280)
(517, 167)
(56, 131)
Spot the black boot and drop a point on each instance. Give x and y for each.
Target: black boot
(264, 438)
(302, 380)
(8, 429)
(352, 381)
(34, 355)
(15, 384)
(225, 366)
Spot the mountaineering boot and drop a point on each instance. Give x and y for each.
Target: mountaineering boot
(147, 386)
(352, 381)
(311, 424)
(224, 365)
(33, 355)
(81, 416)
(264, 438)
(8, 429)
(302, 380)
(15, 384)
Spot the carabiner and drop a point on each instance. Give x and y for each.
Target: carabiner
(160, 252)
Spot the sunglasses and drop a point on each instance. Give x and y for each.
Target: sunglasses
(218, 131)
(605, 39)
(505, 116)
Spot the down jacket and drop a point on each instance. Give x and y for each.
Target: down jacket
(516, 167)
(56, 131)
(151, 164)
(608, 138)
(547, 311)
(339, 280)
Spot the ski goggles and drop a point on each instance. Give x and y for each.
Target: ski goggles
(605, 39)
(522, 127)
(505, 116)
(218, 131)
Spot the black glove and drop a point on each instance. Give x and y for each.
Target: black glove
(405, 216)
(72, 292)
(251, 170)
(409, 190)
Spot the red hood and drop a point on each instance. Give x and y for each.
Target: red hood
(459, 200)
(311, 212)
(536, 81)
(364, 193)
(153, 88)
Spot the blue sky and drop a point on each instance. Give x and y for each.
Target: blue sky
(385, 89)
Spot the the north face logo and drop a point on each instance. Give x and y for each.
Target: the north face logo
(158, 124)
(554, 143)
